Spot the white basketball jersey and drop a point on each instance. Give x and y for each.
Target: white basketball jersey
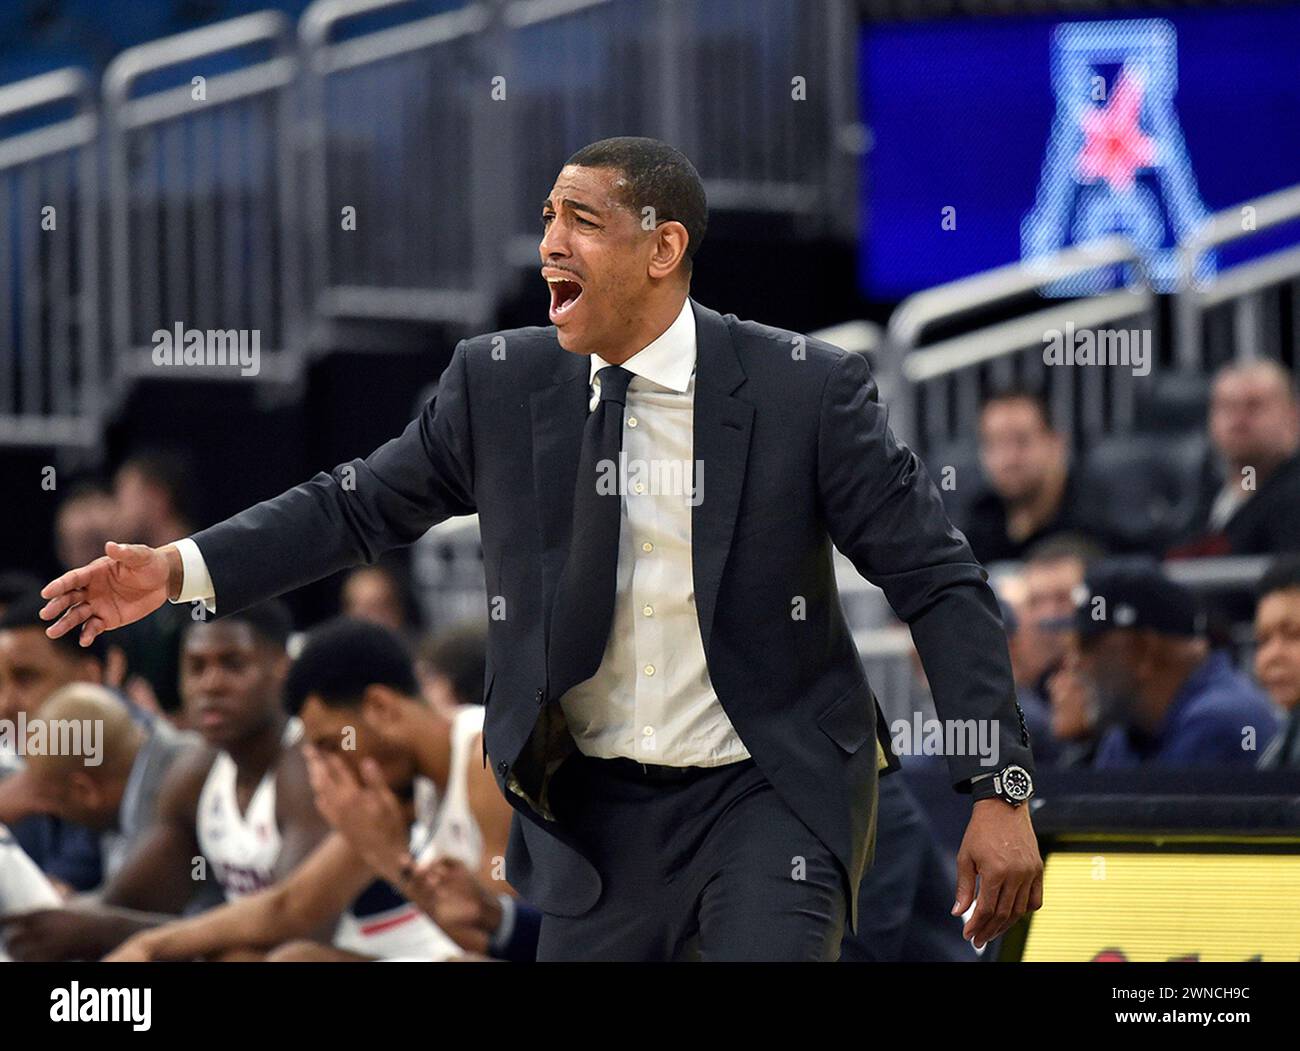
(23, 886)
(242, 849)
(383, 924)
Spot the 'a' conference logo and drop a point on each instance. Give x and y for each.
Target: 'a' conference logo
(1116, 161)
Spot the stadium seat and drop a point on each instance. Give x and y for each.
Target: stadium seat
(1140, 490)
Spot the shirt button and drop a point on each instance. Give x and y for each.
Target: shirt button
(639, 487)
(649, 669)
(649, 611)
(647, 547)
(631, 421)
(647, 731)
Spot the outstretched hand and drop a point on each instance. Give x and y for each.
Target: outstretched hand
(129, 582)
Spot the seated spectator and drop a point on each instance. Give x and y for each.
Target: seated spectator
(115, 792)
(154, 499)
(450, 667)
(1031, 491)
(33, 667)
(1025, 667)
(1054, 571)
(1251, 502)
(154, 496)
(1166, 697)
(85, 521)
(379, 594)
(1277, 657)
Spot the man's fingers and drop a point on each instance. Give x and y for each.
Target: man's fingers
(76, 616)
(965, 883)
(1036, 892)
(981, 921)
(93, 627)
(373, 777)
(60, 603)
(73, 578)
(128, 554)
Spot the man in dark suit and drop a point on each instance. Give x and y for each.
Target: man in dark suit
(675, 706)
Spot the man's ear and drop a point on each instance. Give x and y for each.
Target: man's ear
(669, 253)
(383, 707)
(84, 789)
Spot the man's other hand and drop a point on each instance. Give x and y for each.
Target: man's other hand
(129, 582)
(1000, 848)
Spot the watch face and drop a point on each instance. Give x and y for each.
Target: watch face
(1017, 784)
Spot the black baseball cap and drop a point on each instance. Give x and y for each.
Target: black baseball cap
(1135, 594)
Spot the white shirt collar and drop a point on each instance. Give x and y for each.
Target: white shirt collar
(669, 360)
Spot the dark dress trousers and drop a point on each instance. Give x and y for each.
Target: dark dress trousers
(797, 457)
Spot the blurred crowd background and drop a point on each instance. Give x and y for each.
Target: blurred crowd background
(357, 182)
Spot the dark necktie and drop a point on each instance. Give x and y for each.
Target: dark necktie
(584, 599)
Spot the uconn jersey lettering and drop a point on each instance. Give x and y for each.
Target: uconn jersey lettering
(242, 848)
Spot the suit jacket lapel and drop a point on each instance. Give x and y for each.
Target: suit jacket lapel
(722, 428)
(559, 413)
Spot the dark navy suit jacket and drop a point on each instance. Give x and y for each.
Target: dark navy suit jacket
(797, 457)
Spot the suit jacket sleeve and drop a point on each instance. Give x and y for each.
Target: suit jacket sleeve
(351, 514)
(883, 512)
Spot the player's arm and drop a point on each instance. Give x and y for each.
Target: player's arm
(321, 887)
(159, 873)
(301, 826)
(492, 814)
(302, 829)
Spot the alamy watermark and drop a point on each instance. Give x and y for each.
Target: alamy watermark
(1128, 348)
(211, 348)
(654, 477)
(83, 737)
(961, 737)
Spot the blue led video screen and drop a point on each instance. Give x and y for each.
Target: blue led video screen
(992, 140)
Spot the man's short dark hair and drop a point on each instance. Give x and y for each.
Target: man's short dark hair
(460, 654)
(18, 583)
(1016, 392)
(24, 612)
(90, 488)
(171, 471)
(658, 177)
(344, 656)
(1062, 546)
(1282, 575)
(269, 621)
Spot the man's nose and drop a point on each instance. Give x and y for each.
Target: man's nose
(553, 243)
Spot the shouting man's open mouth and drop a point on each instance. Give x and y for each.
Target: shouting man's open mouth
(565, 293)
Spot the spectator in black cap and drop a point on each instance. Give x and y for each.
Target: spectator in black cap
(1277, 656)
(1167, 697)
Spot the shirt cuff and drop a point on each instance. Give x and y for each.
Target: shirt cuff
(501, 937)
(195, 581)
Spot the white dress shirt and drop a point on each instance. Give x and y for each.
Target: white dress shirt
(651, 699)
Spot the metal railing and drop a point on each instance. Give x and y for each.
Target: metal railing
(404, 163)
(758, 93)
(937, 387)
(50, 370)
(200, 197)
(1252, 331)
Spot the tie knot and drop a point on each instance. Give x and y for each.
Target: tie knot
(613, 381)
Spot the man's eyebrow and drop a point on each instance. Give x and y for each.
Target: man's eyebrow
(577, 206)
